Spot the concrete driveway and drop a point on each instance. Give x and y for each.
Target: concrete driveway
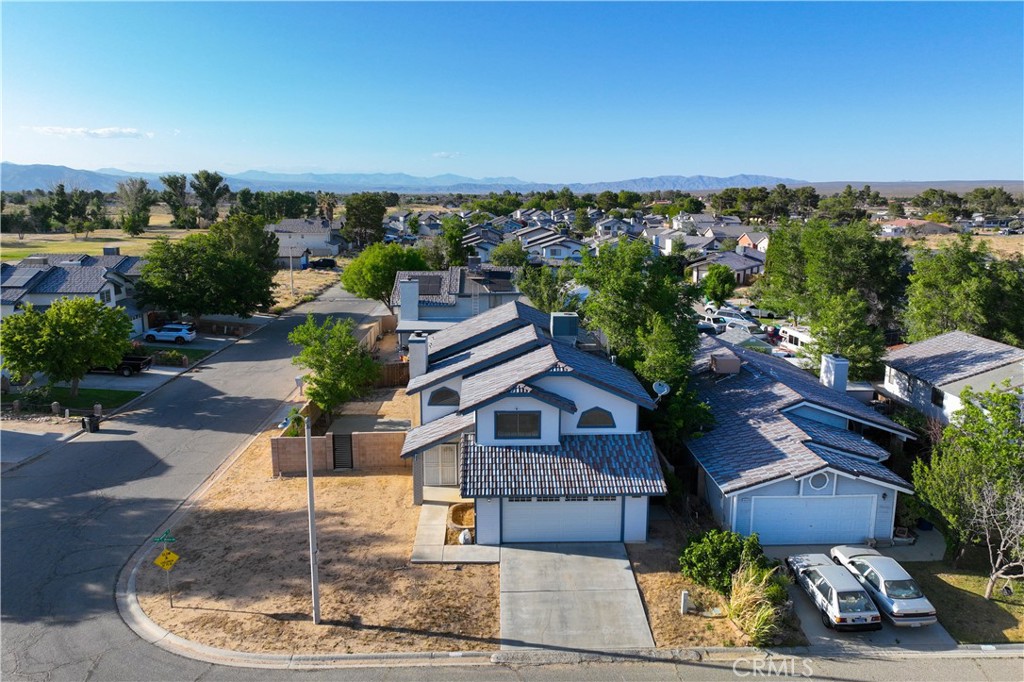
(890, 640)
(570, 596)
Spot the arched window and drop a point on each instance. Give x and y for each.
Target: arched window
(596, 418)
(444, 396)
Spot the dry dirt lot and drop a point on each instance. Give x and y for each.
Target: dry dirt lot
(243, 579)
(308, 284)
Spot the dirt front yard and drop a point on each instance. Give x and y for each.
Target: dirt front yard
(243, 580)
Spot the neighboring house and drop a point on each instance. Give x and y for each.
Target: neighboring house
(482, 241)
(791, 459)
(899, 226)
(555, 248)
(297, 235)
(754, 240)
(428, 301)
(745, 264)
(541, 435)
(42, 279)
(929, 375)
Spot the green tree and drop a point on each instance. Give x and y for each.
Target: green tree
(209, 188)
(341, 369)
(136, 199)
(510, 253)
(718, 284)
(73, 335)
(326, 202)
(372, 274)
(364, 218)
(176, 196)
(896, 209)
(950, 289)
(980, 446)
(547, 287)
(582, 223)
(227, 271)
(413, 223)
(839, 327)
(453, 230)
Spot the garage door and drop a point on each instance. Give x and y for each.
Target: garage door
(813, 520)
(560, 519)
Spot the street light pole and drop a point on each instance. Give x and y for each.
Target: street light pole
(291, 275)
(314, 552)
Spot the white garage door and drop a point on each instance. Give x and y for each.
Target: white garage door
(813, 520)
(554, 519)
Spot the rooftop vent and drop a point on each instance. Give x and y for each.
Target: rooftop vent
(725, 362)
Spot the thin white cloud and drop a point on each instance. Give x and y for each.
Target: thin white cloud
(446, 155)
(98, 133)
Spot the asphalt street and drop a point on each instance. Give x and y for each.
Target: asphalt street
(73, 517)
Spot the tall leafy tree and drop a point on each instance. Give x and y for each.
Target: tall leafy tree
(510, 253)
(341, 368)
(209, 188)
(176, 196)
(718, 284)
(136, 199)
(548, 288)
(71, 336)
(581, 222)
(372, 274)
(61, 204)
(453, 230)
(980, 446)
(364, 218)
(839, 328)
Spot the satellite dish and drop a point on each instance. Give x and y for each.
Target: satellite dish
(661, 388)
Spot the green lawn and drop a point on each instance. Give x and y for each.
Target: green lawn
(958, 596)
(86, 398)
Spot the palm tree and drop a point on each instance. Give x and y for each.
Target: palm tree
(326, 203)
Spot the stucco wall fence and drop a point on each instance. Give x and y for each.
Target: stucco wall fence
(371, 450)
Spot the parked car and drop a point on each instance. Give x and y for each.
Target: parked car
(731, 314)
(129, 365)
(178, 333)
(897, 595)
(839, 598)
(751, 328)
(716, 321)
(707, 328)
(755, 311)
(323, 264)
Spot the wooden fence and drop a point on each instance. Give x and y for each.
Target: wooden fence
(392, 374)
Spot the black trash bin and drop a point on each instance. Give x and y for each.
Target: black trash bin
(91, 423)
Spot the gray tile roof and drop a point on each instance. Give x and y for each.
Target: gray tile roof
(438, 431)
(951, 357)
(753, 440)
(859, 467)
(562, 403)
(442, 287)
(304, 226)
(618, 464)
(483, 327)
(479, 357)
(66, 273)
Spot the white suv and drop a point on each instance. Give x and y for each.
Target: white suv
(178, 333)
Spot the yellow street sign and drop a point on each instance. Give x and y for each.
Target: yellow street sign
(166, 560)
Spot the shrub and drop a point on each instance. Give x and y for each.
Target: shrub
(754, 604)
(712, 558)
(169, 357)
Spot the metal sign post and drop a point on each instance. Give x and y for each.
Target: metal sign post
(166, 561)
(313, 550)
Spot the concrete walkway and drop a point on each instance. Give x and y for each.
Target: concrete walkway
(429, 547)
(570, 597)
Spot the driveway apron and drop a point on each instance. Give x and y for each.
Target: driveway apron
(570, 596)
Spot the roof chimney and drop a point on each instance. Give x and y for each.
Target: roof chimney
(473, 263)
(417, 354)
(725, 362)
(409, 299)
(835, 370)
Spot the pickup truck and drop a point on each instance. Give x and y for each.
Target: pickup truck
(129, 365)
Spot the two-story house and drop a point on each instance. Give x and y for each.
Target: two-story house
(930, 375)
(542, 436)
(296, 236)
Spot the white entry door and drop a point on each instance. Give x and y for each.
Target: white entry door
(441, 465)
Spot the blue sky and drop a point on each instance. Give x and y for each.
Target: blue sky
(546, 92)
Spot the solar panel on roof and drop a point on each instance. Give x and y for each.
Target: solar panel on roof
(20, 278)
(430, 286)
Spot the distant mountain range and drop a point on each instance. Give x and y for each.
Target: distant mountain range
(34, 176)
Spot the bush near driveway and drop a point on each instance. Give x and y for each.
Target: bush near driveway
(958, 596)
(711, 559)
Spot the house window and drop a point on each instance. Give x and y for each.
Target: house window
(596, 418)
(556, 253)
(444, 396)
(937, 397)
(517, 424)
(575, 498)
(604, 498)
(105, 296)
(520, 499)
(818, 481)
(548, 499)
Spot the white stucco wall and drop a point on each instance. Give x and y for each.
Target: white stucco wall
(488, 521)
(918, 394)
(586, 396)
(548, 422)
(431, 413)
(635, 522)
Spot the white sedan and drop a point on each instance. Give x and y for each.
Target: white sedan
(896, 593)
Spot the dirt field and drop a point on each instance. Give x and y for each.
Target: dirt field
(243, 579)
(1001, 246)
(656, 566)
(307, 283)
